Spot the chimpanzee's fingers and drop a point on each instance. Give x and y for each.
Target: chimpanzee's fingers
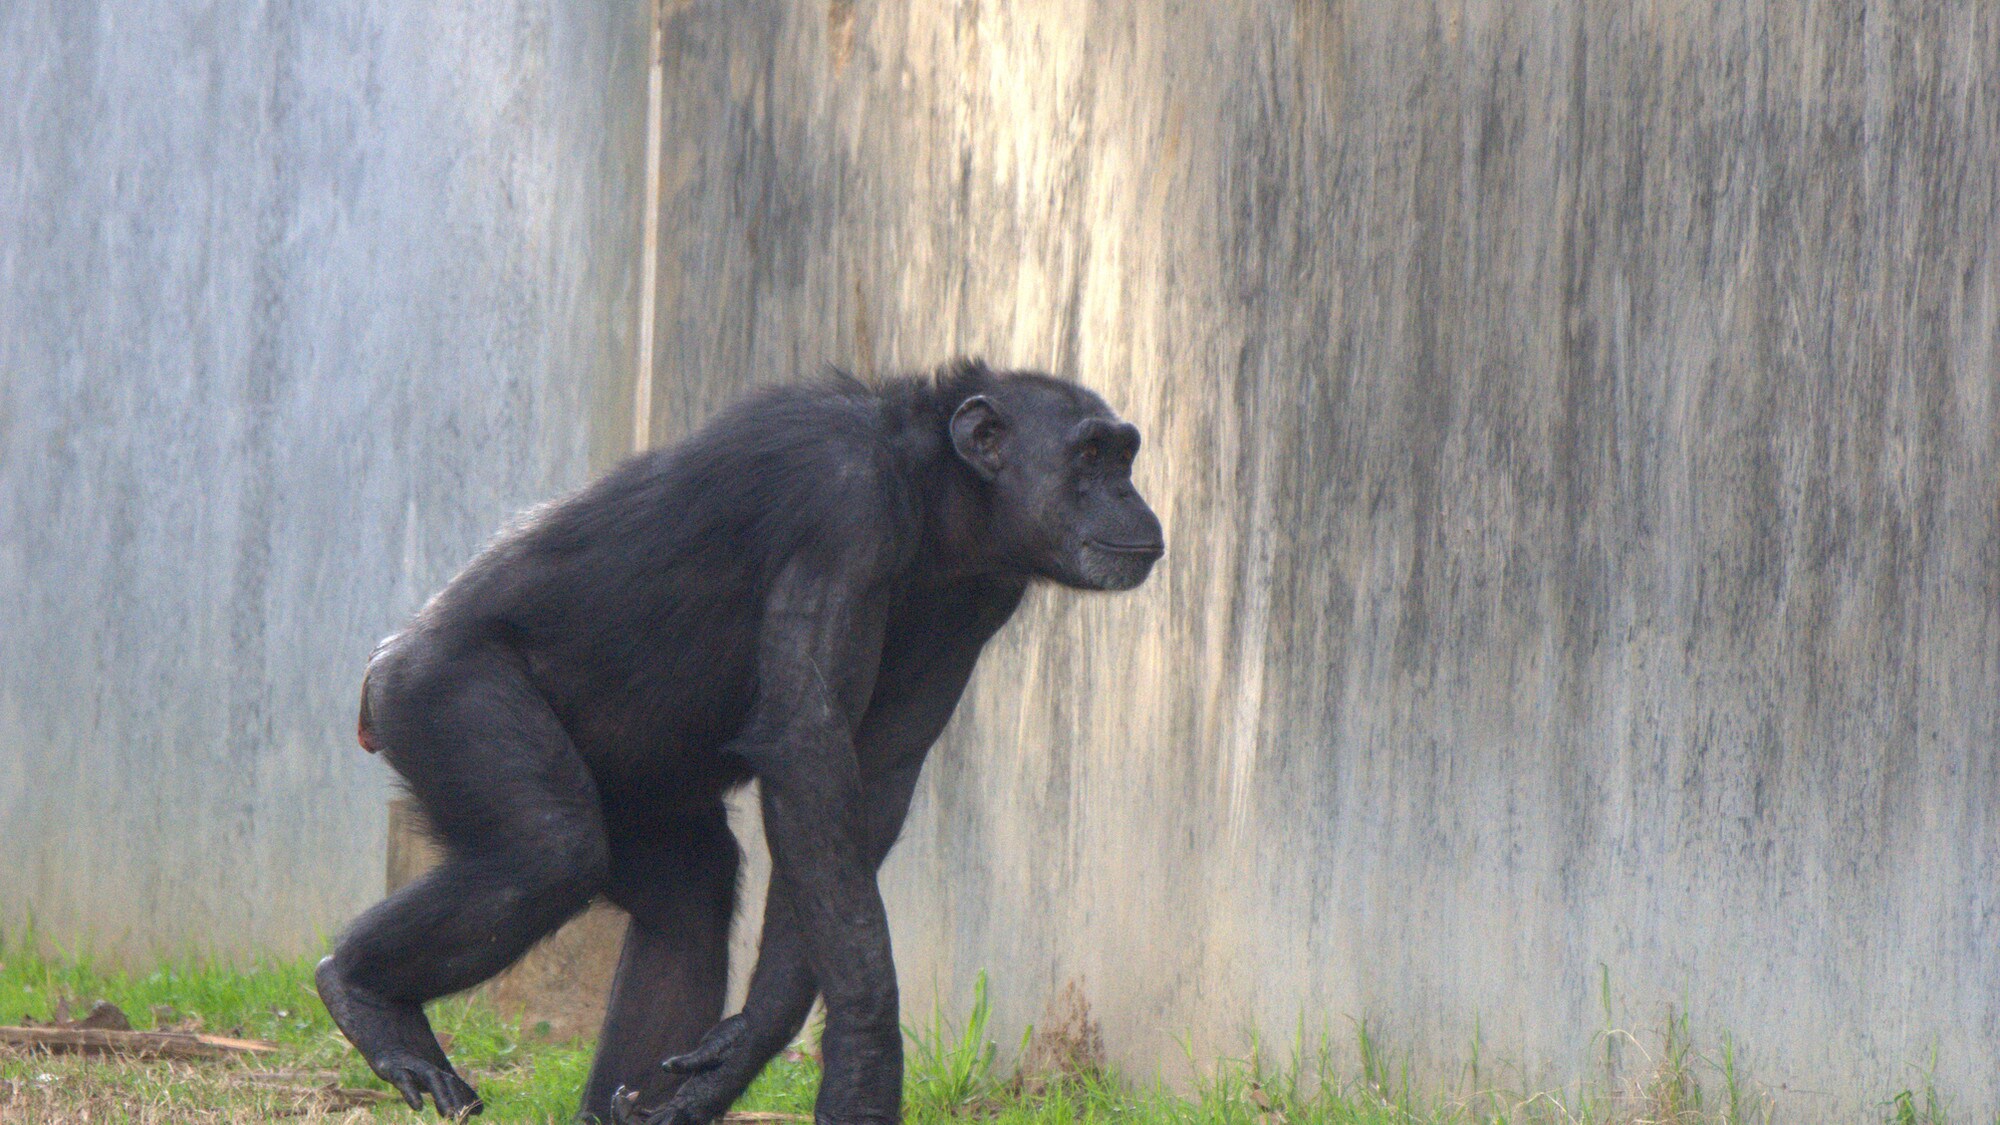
(694, 1062)
(660, 1115)
(701, 1100)
(710, 1052)
(672, 1114)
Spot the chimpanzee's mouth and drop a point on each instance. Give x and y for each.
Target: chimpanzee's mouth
(1155, 549)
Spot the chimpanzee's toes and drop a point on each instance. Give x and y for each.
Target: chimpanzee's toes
(406, 1085)
(397, 1041)
(625, 1107)
(454, 1098)
(625, 1110)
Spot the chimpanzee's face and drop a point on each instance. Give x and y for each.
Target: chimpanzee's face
(1060, 465)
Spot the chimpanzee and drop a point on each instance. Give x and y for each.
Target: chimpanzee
(796, 593)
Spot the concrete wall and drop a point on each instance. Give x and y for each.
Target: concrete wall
(1578, 431)
(1577, 425)
(297, 302)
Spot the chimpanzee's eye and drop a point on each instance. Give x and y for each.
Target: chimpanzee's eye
(1091, 452)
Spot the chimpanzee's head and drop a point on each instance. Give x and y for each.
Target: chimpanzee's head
(1058, 464)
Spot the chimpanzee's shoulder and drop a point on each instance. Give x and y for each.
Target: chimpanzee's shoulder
(830, 461)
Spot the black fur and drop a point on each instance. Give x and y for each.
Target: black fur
(798, 593)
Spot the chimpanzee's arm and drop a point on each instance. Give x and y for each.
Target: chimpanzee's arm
(818, 655)
(923, 673)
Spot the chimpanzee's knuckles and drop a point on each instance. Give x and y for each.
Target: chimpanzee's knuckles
(703, 1098)
(717, 1044)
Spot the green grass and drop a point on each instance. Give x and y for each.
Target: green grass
(954, 1072)
(525, 1079)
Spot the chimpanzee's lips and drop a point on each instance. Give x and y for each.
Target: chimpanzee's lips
(1155, 549)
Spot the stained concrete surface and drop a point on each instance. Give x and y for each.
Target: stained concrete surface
(297, 303)
(1576, 428)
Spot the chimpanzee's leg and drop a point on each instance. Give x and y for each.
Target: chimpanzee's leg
(678, 882)
(517, 814)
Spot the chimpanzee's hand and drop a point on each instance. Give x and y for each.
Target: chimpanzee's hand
(713, 1076)
(718, 1044)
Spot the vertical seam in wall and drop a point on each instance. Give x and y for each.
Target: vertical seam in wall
(649, 246)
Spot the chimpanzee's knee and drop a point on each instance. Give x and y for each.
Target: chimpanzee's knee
(569, 860)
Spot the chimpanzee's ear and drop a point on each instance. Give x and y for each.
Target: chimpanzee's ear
(976, 429)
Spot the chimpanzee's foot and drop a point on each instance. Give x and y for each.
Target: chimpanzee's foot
(397, 1042)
